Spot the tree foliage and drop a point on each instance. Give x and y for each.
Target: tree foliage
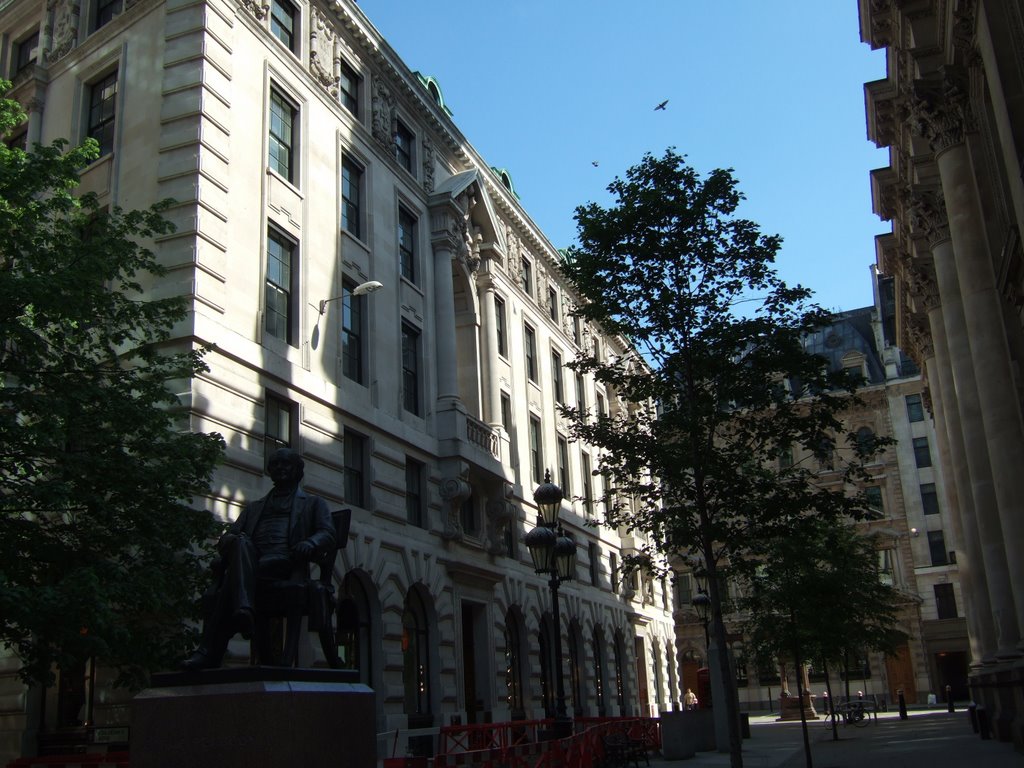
(100, 550)
(712, 382)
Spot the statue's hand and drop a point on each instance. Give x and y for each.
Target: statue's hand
(226, 541)
(304, 550)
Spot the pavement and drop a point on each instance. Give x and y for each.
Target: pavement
(927, 739)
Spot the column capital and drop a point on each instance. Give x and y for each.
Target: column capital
(938, 108)
(927, 209)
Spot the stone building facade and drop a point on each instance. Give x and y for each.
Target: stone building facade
(306, 159)
(951, 112)
(913, 532)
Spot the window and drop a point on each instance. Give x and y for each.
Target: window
(416, 655)
(355, 469)
(885, 567)
(937, 548)
(786, 457)
(594, 558)
(581, 392)
(467, 516)
(403, 146)
(499, 321)
(279, 312)
(929, 499)
(103, 111)
(410, 369)
(351, 196)
(530, 340)
(352, 311)
(563, 466)
(106, 10)
(556, 378)
(26, 52)
(613, 567)
(577, 331)
(526, 276)
(874, 499)
(922, 455)
(588, 486)
(602, 408)
(536, 452)
(407, 245)
(553, 304)
(277, 425)
(348, 88)
(506, 422)
(915, 410)
(281, 142)
(945, 601)
(282, 23)
(414, 492)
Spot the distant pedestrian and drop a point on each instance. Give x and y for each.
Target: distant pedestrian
(689, 700)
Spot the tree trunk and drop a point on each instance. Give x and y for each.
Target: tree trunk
(831, 701)
(799, 662)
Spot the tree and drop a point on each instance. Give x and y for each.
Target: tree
(815, 595)
(712, 373)
(100, 551)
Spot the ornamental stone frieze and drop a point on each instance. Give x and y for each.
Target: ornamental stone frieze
(964, 34)
(385, 115)
(324, 62)
(920, 338)
(62, 27)
(256, 8)
(454, 491)
(882, 23)
(428, 165)
(924, 287)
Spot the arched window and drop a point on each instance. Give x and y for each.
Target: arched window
(416, 658)
(576, 652)
(355, 649)
(514, 665)
(620, 672)
(598, 649)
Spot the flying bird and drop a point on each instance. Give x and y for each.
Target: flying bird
(594, 163)
(661, 106)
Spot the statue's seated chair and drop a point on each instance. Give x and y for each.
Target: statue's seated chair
(291, 600)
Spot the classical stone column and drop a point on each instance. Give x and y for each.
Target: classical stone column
(445, 240)
(949, 121)
(489, 342)
(976, 450)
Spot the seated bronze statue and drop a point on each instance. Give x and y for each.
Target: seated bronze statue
(267, 549)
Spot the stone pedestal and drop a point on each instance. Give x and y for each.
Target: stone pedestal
(683, 734)
(254, 717)
(789, 707)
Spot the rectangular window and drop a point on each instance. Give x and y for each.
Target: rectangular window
(507, 423)
(874, 497)
(26, 52)
(945, 601)
(915, 410)
(499, 322)
(602, 408)
(577, 331)
(536, 452)
(885, 569)
(348, 88)
(563, 466)
(410, 369)
(613, 566)
(581, 392)
(278, 425)
(553, 304)
(413, 492)
(530, 341)
(594, 556)
(281, 143)
(937, 548)
(407, 245)
(588, 485)
(922, 455)
(351, 196)
(526, 276)
(282, 23)
(355, 469)
(353, 309)
(786, 457)
(929, 499)
(403, 146)
(556, 378)
(280, 311)
(467, 516)
(103, 112)
(106, 10)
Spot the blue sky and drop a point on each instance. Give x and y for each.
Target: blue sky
(773, 90)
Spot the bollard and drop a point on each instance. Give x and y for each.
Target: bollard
(903, 705)
(972, 713)
(949, 699)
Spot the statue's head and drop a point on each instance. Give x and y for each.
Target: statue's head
(285, 467)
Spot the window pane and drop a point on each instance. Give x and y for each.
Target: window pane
(355, 463)
(282, 22)
(351, 333)
(282, 118)
(407, 245)
(102, 106)
(410, 369)
(929, 499)
(915, 410)
(937, 548)
(349, 89)
(922, 455)
(351, 188)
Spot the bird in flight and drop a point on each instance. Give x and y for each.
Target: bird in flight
(594, 163)
(661, 106)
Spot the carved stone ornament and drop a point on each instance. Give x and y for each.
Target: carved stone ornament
(63, 28)
(428, 165)
(500, 514)
(927, 209)
(939, 111)
(323, 51)
(256, 8)
(385, 117)
(963, 33)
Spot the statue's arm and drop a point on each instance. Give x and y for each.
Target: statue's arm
(323, 527)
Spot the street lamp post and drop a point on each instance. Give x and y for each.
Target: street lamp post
(554, 554)
(702, 605)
